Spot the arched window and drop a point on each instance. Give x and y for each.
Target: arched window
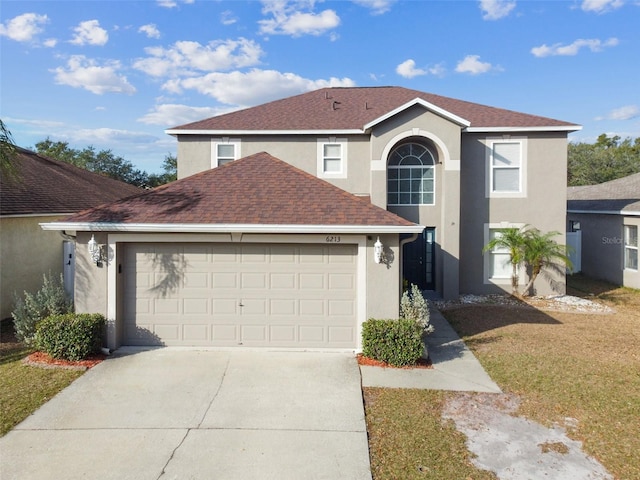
(411, 175)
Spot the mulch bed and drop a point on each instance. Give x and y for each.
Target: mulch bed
(41, 359)
(422, 363)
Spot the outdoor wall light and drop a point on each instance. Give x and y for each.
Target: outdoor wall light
(378, 251)
(95, 251)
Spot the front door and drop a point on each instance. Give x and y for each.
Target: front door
(418, 260)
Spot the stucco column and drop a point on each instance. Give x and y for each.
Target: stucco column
(450, 234)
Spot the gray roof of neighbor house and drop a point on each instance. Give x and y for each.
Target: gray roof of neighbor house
(358, 108)
(46, 186)
(616, 196)
(255, 193)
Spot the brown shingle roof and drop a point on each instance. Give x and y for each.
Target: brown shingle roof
(353, 108)
(255, 190)
(613, 196)
(45, 186)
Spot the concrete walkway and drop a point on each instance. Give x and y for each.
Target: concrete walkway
(454, 366)
(176, 414)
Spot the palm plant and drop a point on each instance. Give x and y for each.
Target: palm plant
(513, 240)
(542, 252)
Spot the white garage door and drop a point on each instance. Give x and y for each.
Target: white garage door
(239, 295)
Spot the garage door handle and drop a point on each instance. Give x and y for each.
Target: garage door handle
(240, 304)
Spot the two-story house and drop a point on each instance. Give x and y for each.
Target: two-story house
(294, 221)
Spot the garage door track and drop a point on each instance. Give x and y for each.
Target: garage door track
(174, 414)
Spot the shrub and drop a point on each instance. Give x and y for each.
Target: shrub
(414, 306)
(51, 299)
(70, 336)
(396, 342)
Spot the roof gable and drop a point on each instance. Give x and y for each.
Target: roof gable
(256, 190)
(46, 186)
(352, 110)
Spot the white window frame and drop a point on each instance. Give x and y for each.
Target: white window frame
(215, 160)
(522, 177)
(321, 143)
(399, 168)
(488, 256)
(629, 247)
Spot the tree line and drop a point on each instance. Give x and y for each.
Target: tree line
(606, 159)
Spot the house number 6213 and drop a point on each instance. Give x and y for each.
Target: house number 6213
(332, 239)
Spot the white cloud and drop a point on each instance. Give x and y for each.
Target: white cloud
(407, 69)
(150, 30)
(23, 28)
(377, 7)
(628, 112)
(171, 115)
(253, 87)
(601, 6)
(107, 136)
(496, 9)
(228, 18)
(89, 32)
(50, 42)
(82, 72)
(185, 57)
(172, 3)
(594, 44)
(472, 65)
(289, 18)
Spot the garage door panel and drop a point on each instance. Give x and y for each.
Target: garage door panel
(240, 294)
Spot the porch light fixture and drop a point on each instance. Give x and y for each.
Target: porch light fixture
(95, 251)
(378, 251)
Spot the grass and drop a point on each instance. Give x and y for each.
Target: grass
(24, 388)
(578, 370)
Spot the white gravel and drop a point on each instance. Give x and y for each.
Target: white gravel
(567, 303)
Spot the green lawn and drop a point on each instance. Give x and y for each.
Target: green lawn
(24, 388)
(582, 366)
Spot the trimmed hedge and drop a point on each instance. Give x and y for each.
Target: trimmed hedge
(396, 342)
(70, 336)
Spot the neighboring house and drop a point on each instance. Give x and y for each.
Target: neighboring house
(43, 190)
(607, 216)
(255, 246)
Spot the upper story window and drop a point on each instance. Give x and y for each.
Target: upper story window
(332, 158)
(411, 175)
(224, 151)
(506, 169)
(631, 247)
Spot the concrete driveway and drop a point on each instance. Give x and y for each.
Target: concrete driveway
(187, 414)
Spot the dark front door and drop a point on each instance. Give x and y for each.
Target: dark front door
(418, 260)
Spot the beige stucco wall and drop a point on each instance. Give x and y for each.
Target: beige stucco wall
(26, 254)
(543, 207)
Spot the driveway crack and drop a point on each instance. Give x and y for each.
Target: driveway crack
(215, 395)
(186, 434)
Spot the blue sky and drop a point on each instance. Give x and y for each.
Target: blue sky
(116, 74)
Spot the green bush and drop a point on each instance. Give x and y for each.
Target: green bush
(51, 299)
(396, 342)
(414, 306)
(70, 336)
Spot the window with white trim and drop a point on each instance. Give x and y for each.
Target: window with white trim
(223, 152)
(332, 158)
(411, 175)
(631, 247)
(506, 167)
(499, 258)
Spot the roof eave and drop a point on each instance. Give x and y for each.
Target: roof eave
(554, 128)
(229, 228)
(626, 213)
(346, 131)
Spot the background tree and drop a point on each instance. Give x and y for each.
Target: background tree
(8, 167)
(607, 159)
(106, 163)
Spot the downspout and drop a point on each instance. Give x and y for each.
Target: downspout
(410, 239)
